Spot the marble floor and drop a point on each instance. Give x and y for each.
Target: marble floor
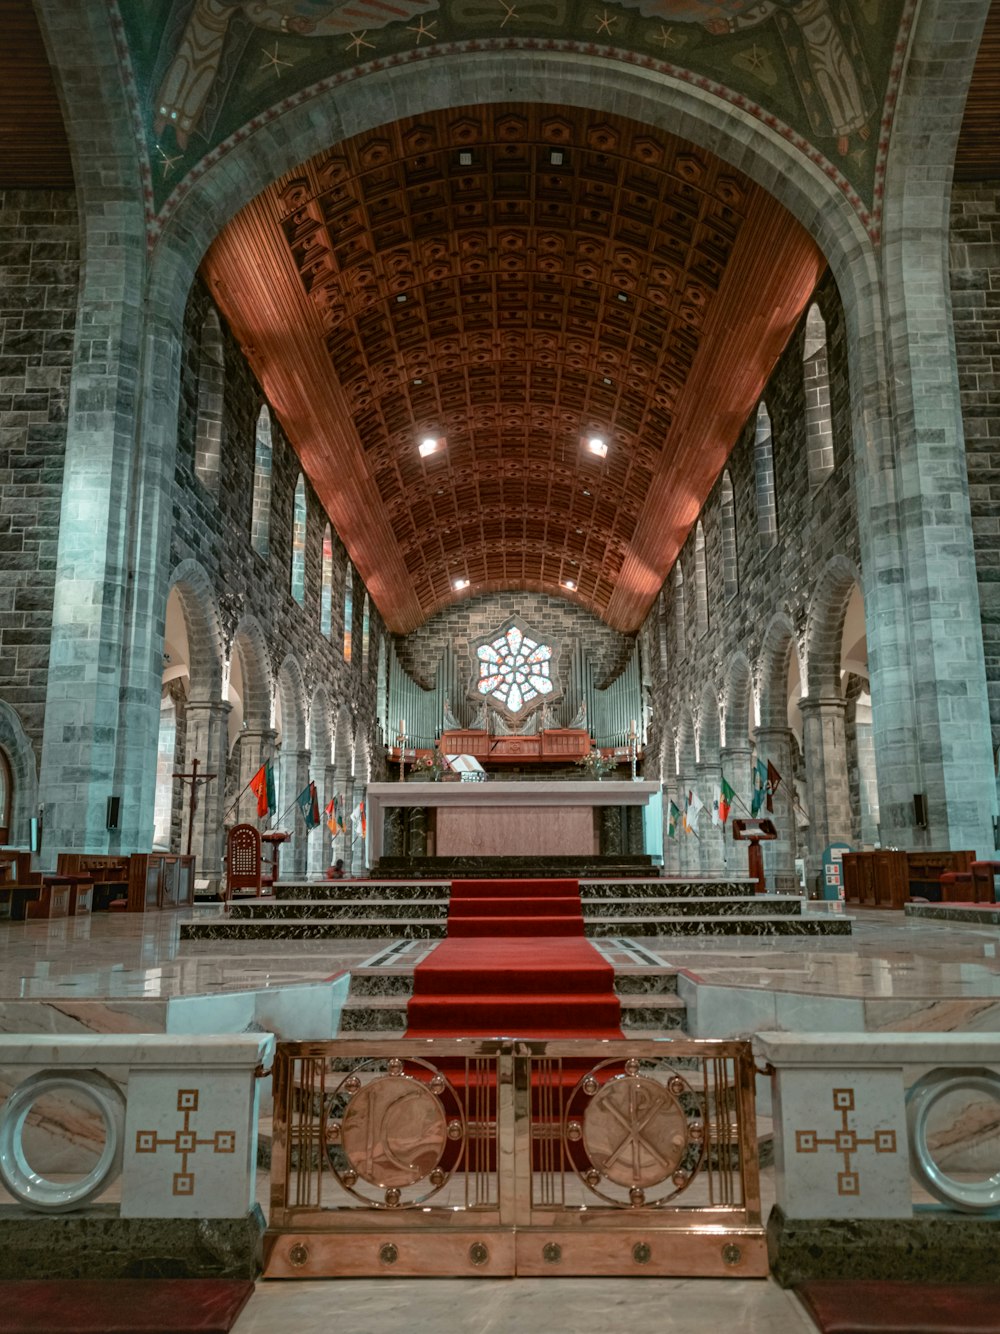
(523, 1306)
(142, 957)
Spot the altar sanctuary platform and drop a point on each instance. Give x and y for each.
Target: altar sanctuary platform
(492, 818)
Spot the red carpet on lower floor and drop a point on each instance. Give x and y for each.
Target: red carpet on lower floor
(515, 964)
(122, 1306)
(893, 1306)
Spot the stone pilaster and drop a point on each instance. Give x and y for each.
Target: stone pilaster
(255, 748)
(824, 746)
(774, 745)
(735, 768)
(711, 849)
(208, 742)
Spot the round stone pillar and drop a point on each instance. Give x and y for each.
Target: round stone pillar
(774, 745)
(255, 748)
(736, 771)
(208, 742)
(824, 745)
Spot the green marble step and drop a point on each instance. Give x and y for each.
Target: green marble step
(474, 868)
(760, 905)
(423, 929)
(375, 910)
(351, 891)
(980, 914)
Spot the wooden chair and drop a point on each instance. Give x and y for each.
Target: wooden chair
(243, 860)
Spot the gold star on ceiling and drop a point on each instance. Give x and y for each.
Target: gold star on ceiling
(606, 24)
(667, 37)
(755, 57)
(423, 31)
(168, 163)
(358, 41)
(510, 12)
(273, 61)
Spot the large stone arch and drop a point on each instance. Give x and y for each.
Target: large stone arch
(291, 692)
(251, 646)
(709, 735)
(825, 627)
(736, 695)
(776, 649)
(24, 772)
(201, 619)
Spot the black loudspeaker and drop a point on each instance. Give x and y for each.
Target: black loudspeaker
(920, 810)
(114, 806)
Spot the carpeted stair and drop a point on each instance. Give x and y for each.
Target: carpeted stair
(893, 1306)
(515, 963)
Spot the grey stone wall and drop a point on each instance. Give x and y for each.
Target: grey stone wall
(564, 622)
(39, 283)
(214, 530)
(975, 295)
(814, 524)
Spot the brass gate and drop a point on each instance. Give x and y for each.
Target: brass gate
(507, 1156)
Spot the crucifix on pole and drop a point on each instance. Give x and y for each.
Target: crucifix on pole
(194, 778)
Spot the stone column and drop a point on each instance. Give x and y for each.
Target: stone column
(824, 745)
(611, 841)
(711, 849)
(774, 744)
(295, 777)
(255, 748)
(416, 832)
(208, 740)
(735, 761)
(393, 831)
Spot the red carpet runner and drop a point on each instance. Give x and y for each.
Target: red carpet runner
(515, 963)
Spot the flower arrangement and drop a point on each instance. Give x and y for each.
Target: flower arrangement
(594, 764)
(431, 766)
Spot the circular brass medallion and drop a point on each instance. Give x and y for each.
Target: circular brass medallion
(635, 1131)
(393, 1132)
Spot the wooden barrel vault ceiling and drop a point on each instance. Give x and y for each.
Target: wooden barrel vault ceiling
(513, 280)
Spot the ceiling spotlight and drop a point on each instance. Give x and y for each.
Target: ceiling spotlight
(568, 583)
(401, 296)
(607, 380)
(459, 584)
(598, 445)
(428, 445)
(622, 296)
(421, 382)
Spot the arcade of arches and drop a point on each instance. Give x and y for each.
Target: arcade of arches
(327, 352)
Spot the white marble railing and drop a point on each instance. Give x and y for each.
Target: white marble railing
(859, 1117)
(178, 1119)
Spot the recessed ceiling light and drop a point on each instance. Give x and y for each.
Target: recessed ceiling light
(401, 296)
(607, 380)
(465, 159)
(598, 445)
(586, 492)
(428, 445)
(421, 382)
(568, 583)
(622, 296)
(459, 584)
(556, 157)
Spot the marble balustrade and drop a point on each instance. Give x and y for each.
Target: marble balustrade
(862, 1119)
(174, 1116)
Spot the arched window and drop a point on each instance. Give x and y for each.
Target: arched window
(365, 634)
(348, 611)
(211, 386)
(6, 798)
(700, 581)
(326, 587)
(261, 519)
(299, 542)
(679, 630)
(763, 467)
(727, 528)
(816, 378)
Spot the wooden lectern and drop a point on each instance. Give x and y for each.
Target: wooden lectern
(755, 832)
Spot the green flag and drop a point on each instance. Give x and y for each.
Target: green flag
(726, 795)
(674, 816)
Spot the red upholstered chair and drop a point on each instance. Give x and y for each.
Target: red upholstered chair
(983, 881)
(243, 866)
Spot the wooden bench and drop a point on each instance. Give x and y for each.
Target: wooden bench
(108, 876)
(19, 884)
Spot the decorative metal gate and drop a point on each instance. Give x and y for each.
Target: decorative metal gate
(508, 1156)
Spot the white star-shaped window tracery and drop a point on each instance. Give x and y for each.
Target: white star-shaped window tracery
(514, 669)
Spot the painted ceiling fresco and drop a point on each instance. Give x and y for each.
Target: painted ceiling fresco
(820, 72)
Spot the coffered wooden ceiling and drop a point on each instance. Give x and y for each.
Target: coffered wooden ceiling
(513, 279)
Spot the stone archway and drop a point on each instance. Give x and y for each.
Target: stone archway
(293, 763)
(250, 730)
(776, 746)
(735, 753)
(23, 775)
(321, 769)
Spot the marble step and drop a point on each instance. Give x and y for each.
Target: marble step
(383, 1015)
(350, 891)
(594, 866)
(751, 905)
(637, 982)
(290, 909)
(370, 928)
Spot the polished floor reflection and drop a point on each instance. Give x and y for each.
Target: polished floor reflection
(142, 957)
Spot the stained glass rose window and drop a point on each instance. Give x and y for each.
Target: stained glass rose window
(514, 669)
